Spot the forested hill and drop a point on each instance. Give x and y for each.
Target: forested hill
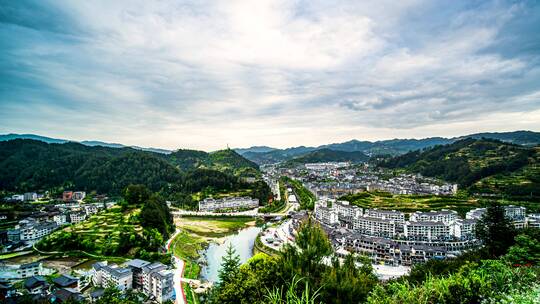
(469, 162)
(328, 155)
(30, 165)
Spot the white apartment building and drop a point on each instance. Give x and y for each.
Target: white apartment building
(426, 230)
(77, 217)
(18, 197)
(228, 203)
(30, 196)
(374, 226)
(463, 228)
(533, 220)
(324, 214)
(31, 269)
(157, 281)
(444, 215)
(516, 213)
(60, 219)
(112, 275)
(34, 231)
(397, 216)
(343, 208)
(90, 209)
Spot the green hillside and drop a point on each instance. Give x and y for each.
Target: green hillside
(478, 164)
(30, 165)
(327, 155)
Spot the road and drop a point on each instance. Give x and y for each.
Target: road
(178, 273)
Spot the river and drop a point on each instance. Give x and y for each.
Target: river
(242, 242)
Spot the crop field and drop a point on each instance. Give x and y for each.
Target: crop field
(411, 203)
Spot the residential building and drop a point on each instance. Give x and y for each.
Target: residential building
(325, 215)
(343, 208)
(67, 196)
(90, 209)
(463, 228)
(533, 220)
(426, 230)
(137, 266)
(78, 195)
(444, 215)
(30, 269)
(374, 226)
(34, 231)
(60, 219)
(112, 275)
(66, 281)
(228, 203)
(77, 217)
(157, 281)
(397, 216)
(36, 284)
(30, 196)
(17, 197)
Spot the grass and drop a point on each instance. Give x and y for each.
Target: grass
(13, 254)
(187, 246)
(212, 227)
(191, 298)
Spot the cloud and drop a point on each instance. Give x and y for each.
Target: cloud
(203, 74)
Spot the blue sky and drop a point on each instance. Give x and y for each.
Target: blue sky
(204, 74)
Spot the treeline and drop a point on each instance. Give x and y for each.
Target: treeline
(305, 198)
(464, 162)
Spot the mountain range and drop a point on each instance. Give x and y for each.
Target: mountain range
(383, 147)
(266, 155)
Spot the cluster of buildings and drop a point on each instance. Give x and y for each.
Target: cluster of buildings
(62, 289)
(335, 179)
(67, 196)
(37, 225)
(228, 204)
(395, 238)
(153, 279)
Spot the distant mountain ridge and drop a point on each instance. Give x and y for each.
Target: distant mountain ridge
(388, 147)
(91, 143)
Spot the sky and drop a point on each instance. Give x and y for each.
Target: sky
(207, 74)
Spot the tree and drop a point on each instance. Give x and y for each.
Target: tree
(526, 250)
(136, 195)
(495, 230)
(229, 265)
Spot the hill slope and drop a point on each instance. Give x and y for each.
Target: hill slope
(30, 165)
(328, 155)
(471, 162)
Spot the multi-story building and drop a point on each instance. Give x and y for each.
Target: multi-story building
(30, 269)
(427, 230)
(90, 209)
(463, 228)
(325, 215)
(30, 196)
(515, 213)
(78, 195)
(374, 226)
(34, 231)
(157, 281)
(343, 208)
(112, 275)
(228, 203)
(397, 216)
(18, 197)
(445, 216)
(60, 219)
(77, 217)
(136, 266)
(533, 220)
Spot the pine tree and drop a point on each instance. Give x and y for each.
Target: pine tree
(495, 230)
(229, 265)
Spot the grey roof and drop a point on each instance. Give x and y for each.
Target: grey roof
(65, 280)
(154, 267)
(137, 263)
(29, 265)
(118, 272)
(35, 281)
(425, 223)
(99, 265)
